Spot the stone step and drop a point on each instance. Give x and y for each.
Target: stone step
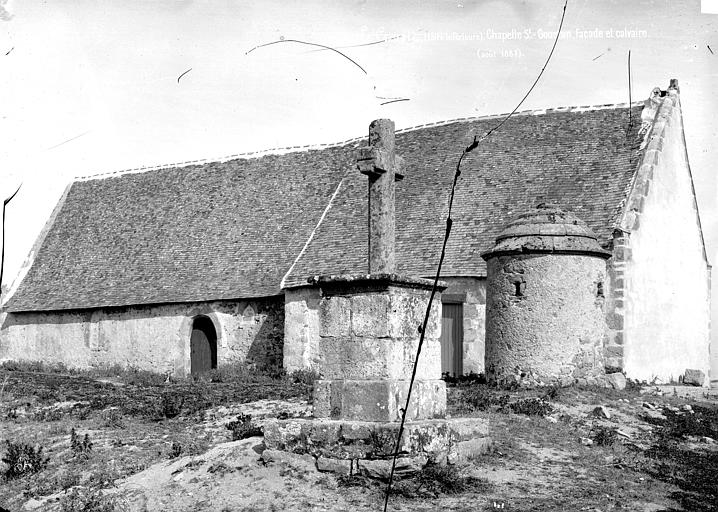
(439, 440)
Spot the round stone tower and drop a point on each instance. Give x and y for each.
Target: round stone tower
(545, 322)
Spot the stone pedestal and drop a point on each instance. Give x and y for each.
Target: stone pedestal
(367, 446)
(363, 336)
(368, 340)
(368, 335)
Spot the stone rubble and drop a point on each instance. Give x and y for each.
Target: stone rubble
(694, 378)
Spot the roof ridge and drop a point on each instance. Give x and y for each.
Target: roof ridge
(247, 155)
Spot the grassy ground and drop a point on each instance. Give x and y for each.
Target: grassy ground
(132, 419)
(553, 450)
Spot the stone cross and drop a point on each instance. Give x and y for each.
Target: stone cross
(383, 167)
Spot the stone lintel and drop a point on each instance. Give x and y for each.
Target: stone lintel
(371, 282)
(440, 440)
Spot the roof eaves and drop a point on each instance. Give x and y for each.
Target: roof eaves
(654, 131)
(248, 155)
(139, 304)
(34, 250)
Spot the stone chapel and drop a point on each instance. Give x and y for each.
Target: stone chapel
(185, 267)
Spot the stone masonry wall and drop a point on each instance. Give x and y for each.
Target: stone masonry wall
(153, 338)
(301, 328)
(667, 295)
(615, 292)
(545, 319)
(471, 292)
(307, 327)
(368, 340)
(302, 323)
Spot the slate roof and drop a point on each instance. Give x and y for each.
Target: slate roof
(582, 161)
(233, 229)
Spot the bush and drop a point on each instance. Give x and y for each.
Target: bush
(435, 479)
(171, 405)
(195, 446)
(136, 377)
(48, 414)
(65, 479)
(89, 500)
(464, 380)
(233, 372)
(24, 366)
(701, 422)
(305, 377)
(605, 436)
(552, 393)
(103, 477)
(81, 446)
(112, 418)
(175, 450)
(481, 398)
(22, 459)
(243, 427)
(531, 407)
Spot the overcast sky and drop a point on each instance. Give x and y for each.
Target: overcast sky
(92, 86)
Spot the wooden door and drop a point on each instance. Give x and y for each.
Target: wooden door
(452, 339)
(203, 346)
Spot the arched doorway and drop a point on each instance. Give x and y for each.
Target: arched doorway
(203, 345)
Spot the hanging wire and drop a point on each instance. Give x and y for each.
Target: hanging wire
(447, 233)
(2, 249)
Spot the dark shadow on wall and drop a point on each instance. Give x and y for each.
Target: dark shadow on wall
(22, 319)
(266, 352)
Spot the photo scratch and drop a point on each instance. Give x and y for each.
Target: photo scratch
(358, 45)
(68, 140)
(395, 101)
(183, 74)
(310, 44)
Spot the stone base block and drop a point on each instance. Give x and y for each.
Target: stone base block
(438, 441)
(378, 400)
(507, 378)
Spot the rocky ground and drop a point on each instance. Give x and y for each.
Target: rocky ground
(587, 449)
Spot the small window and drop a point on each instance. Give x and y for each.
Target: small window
(599, 289)
(519, 287)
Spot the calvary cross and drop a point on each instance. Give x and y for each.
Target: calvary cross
(383, 167)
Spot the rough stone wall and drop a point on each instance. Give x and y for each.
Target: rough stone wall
(471, 292)
(553, 331)
(366, 345)
(615, 292)
(301, 328)
(667, 294)
(318, 332)
(153, 338)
